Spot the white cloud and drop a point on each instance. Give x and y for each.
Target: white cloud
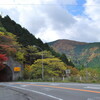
(38, 2)
(93, 11)
(48, 35)
(87, 27)
(68, 2)
(58, 18)
(49, 20)
(7, 2)
(84, 31)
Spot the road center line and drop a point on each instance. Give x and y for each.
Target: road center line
(35, 92)
(60, 87)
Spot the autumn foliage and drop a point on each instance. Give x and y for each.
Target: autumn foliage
(3, 58)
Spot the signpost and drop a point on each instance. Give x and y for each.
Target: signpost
(17, 69)
(68, 71)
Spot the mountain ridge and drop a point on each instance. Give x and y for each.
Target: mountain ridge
(25, 38)
(79, 52)
(68, 45)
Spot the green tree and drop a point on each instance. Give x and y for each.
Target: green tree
(53, 67)
(64, 59)
(31, 54)
(90, 74)
(27, 73)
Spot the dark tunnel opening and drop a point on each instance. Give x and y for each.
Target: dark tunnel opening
(6, 74)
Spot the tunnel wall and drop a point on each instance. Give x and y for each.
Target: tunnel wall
(13, 63)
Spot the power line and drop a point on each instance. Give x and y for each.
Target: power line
(54, 4)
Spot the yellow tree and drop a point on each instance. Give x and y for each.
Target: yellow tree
(90, 74)
(53, 67)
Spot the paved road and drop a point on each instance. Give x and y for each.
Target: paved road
(53, 91)
(9, 94)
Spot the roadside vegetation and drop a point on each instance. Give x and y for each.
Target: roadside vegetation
(40, 64)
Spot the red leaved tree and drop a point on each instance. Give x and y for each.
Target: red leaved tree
(3, 58)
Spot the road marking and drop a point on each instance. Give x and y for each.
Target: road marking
(35, 92)
(94, 98)
(60, 87)
(24, 85)
(55, 84)
(90, 99)
(92, 87)
(48, 89)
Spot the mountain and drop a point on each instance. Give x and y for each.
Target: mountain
(81, 53)
(64, 46)
(24, 36)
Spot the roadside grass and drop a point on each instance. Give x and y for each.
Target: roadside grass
(66, 80)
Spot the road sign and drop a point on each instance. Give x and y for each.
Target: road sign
(68, 71)
(17, 69)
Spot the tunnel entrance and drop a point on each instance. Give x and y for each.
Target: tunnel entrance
(6, 74)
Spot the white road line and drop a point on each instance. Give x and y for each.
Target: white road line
(23, 85)
(90, 99)
(36, 92)
(94, 98)
(90, 87)
(55, 84)
(47, 89)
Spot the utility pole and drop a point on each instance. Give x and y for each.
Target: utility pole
(86, 72)
(42, 61)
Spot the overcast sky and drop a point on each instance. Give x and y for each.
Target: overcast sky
(56, 19)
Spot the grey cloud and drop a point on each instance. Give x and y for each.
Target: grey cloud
(59, 18)
(31, 19)
(85, 31)
(46, 16)
(35, 24)
(53, 21)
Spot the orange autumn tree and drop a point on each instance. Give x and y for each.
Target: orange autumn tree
(8, 46)
(3, 58)
(73, 71)
(8, 43)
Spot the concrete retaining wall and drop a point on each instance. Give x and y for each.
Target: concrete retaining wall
(13, 63)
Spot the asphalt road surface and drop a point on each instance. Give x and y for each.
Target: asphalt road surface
(49, 91)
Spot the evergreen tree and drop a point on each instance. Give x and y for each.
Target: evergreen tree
(64, 58)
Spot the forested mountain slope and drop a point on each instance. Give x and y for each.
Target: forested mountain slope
(87, 54)
(24, 36)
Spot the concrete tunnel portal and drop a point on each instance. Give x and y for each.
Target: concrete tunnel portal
(6, 74)
(11, 70)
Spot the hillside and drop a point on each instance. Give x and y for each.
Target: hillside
(17, 42)
(24, 36)
(87, 54)
(35, 61)
(65, 45)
